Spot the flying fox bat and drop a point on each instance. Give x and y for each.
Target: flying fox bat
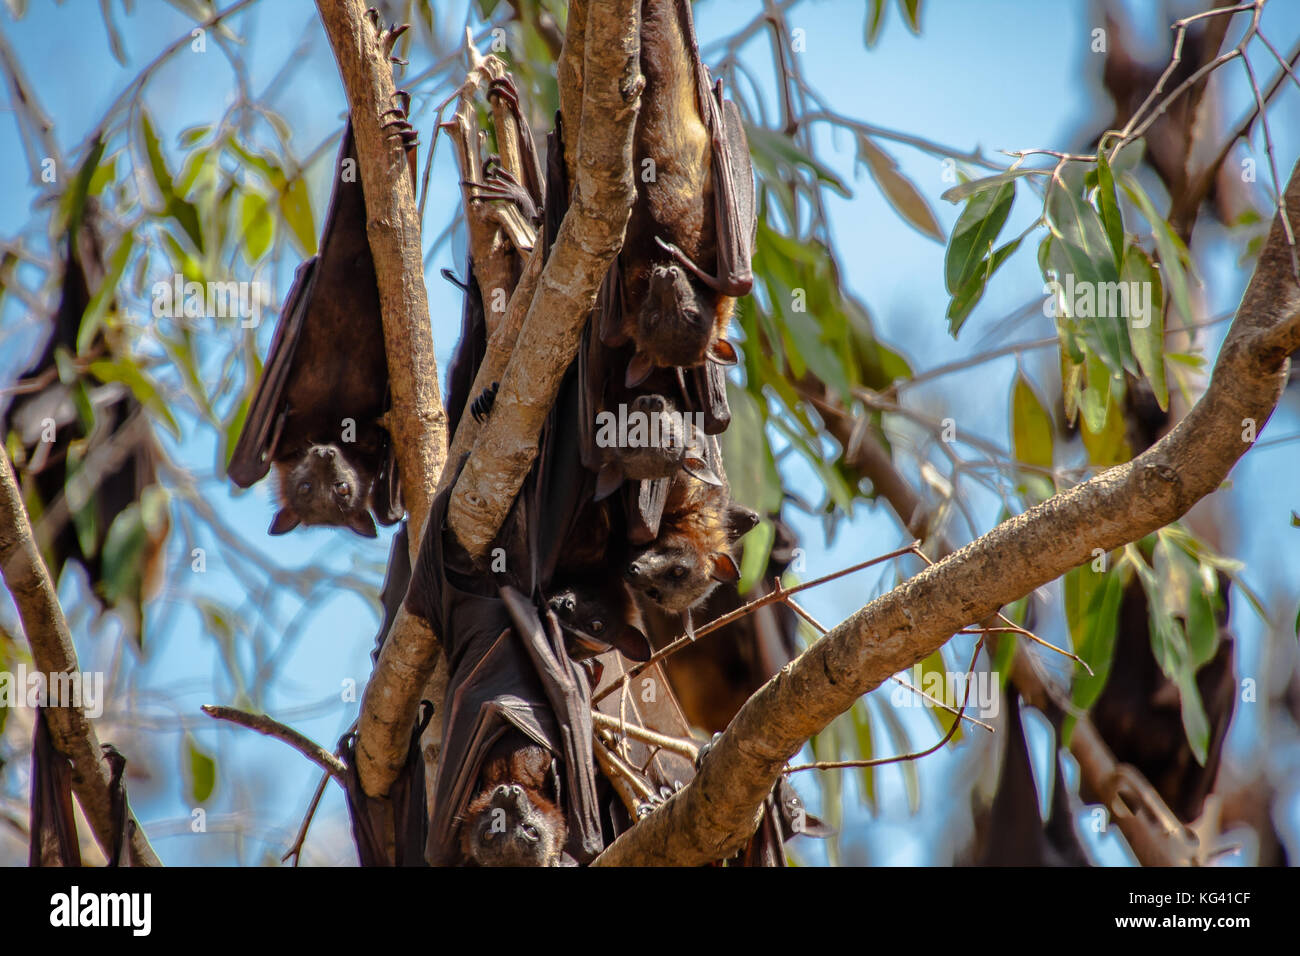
(690, 237)
(649, 431)
(713, 678)
(689, 551)
(316, 411)
(511, 686)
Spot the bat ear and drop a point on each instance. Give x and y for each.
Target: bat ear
(285, 520)
(723, 352)
(363, 524)
(632, 644)
(638, 370)
(724, 568)
(740, 520)
(608, 480)
(697, 467)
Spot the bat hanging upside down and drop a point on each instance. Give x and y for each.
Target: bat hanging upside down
(318, 409)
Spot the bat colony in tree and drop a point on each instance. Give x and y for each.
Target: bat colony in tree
(626, 516)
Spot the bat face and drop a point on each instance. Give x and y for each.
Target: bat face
(596, 618)
(324, 487)
(675, 575)
(676, 320)
(511, 826)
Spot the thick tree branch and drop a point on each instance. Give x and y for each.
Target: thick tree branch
(47, 632)
(1154, 843)
(417, 421)
(710, 817)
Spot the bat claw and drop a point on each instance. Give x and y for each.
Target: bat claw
(481, 407)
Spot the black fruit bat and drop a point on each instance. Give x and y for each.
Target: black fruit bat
(53, 824)
(511, 687)
(1016, 833)
(317, 409)
(41, 426)
(691, 234)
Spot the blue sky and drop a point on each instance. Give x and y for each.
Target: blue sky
(997, 75)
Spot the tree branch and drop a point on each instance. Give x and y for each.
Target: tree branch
(710, 818)
(417, 421)
(47, 633)
(269, 727)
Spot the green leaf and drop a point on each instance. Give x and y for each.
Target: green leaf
(1170, 248)
(1082, 258)
(1094, 626)
(125, 370)
(162, 178)
(255, 225)
(912, 14)
(98, 305)
(1095, 399)
(1111, 217)
(875, 22)
(976, 230)
(899, 190)
(777, 148)
(1148, 341)
(959, 309)
(966, 190)
(1031, 426)
(295, 207)
(201, 771)
(755, 551)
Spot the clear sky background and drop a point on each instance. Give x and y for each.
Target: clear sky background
(994, 75)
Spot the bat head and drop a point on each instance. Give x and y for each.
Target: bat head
(513, 825)
(682, 566)
(676, 321)
(595, 619)
(323, 487)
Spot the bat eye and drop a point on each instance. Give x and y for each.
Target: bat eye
(597, 626)
(531, 833)
(304, 487)
(342, 488)
(679, 571)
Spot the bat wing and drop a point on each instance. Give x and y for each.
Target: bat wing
(644, 502)
(53, 824)
(733, 196)
(402, 811)
(706, 390)
(569, 694)
(470, 350)
(255, 448)
(733, 177)
(557, 185)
